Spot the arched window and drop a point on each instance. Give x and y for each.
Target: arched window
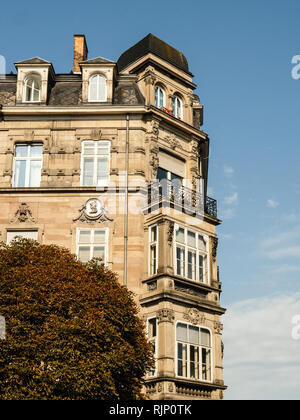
(177, 106)
(159, 97)
(97, 88)
(32, 89)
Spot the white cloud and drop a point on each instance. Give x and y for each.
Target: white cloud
(272, 203)
(261, 360)
(232, 199)
(284, 252)
(228, 171)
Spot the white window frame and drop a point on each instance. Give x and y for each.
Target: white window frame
(21, 233)
(95, 157)
(200, 354)
(153, 244)
(153, 341)
(185, 247)
(97, 88)
(160, 95)
(175, 101)
(28, 160)
(36, 78)
(92, 244)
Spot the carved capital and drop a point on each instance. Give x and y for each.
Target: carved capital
(165, 315)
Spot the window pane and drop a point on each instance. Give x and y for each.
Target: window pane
(30, 234)
(84, 253)
(153, 259)
(181, 331)
(20, 173)
(36, 94)
(88, 171)
(194, 362)
(191, 239)
(154, 234)
(193, 335)
(35, 173)
(21, 151)
(162, 174)
(152, 328)
(205, 337)
(99, 237)
(102, 170)
(201, 243)
(192, 265)
(182, 359)
(180, 235)
(206, 364)
(84, 236)
(36, 150)
(180, 257)
(99, 252)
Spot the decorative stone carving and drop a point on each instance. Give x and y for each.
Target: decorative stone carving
(194, 316)
(154, 161)
(218, 327)
(96, 134)
(170, 233)
(28, 135)
(93, 211)
(23, 214)
(214, 246)
(152, 286)
(165, 315)
(172, 141)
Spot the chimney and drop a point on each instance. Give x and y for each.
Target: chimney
(80, 52)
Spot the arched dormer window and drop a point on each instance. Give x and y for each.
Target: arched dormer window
(177, 106)
(159, 97)
(97, 88)
(32, 88)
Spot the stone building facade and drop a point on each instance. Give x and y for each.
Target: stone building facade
(110, 161)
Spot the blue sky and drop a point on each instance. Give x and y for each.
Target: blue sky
(240, 54)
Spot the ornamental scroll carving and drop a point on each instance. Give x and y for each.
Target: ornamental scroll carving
(194, 316)
(23, 214)
(92, 211)
(170, 232)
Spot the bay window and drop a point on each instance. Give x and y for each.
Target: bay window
(193, 347)
(191, 255)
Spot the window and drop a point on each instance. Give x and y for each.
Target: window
(92, 243)
(159, 97)
(97, 88)
(32, 89)
(95, 163)
(27, 165)
(153, 251)
(193, 352)
(177, 107)
(152, 337)
(191, 255)
(28, 234)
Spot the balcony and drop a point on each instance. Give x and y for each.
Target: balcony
(174, 195)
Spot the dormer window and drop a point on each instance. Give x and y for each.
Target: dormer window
(159, 97)
(177, 106)
(32, 89)
(97, 88)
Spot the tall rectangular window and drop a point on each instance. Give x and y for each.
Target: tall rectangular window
(193, 352)
(152, 337)
(92, 243)
(27, 165)
(153, 250)
(95, 163)
(191, 255)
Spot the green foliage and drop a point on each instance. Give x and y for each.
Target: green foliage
(72, 331)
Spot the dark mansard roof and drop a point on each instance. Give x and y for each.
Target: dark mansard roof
(154, 45)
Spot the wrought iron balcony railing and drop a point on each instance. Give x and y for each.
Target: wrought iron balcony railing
(173, 194)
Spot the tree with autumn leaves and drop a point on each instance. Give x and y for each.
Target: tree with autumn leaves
(72, 331)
